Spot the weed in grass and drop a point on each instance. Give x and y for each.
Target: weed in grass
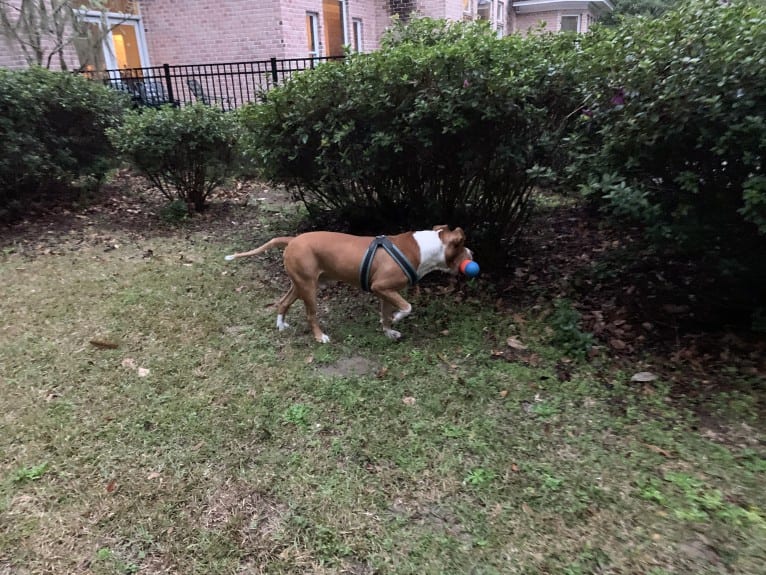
(33, 473)
(479, 477)
(297, 414)
(175, 212)
(567, 335)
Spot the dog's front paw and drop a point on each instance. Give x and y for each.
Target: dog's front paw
(324, 339)
(392, 334)
(281, 323)
(402, 313)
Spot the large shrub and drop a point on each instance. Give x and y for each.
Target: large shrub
(677, 129)
(185, 152)
(52, 135)
(446, 123)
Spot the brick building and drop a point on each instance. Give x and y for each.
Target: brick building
(152, 32)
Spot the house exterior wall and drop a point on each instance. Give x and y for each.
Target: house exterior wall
(526, 23)
(206, 31)
(214, 31)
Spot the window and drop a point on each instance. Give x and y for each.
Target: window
(121, 37)
(467, 7)
(570, 24)
(358, 44)
(334, 13)
(312, 35)
(484, 8)
(500, 20)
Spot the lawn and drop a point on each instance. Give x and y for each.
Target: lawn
(154, 421)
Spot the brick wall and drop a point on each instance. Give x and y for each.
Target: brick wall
(208, 31)
(11, 55)
(211, 31)
(401, 8)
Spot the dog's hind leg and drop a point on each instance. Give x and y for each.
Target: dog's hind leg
(309, 296)
(284, 304)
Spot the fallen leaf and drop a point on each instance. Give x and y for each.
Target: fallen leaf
(515, 343)
(111, 486)
(103, 344)
(143, 372)
(309, 359)
(617, 344)
(504, 393)
(129, 363)
(643, 377)
(408, 400)
(153, 475)
(382, 372)
(514, 468)
(656, 449)
(675, 309)
(526, 508)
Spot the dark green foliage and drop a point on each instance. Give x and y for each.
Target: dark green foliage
(52, 136)
(628, 8)
(185, 152)
(677, 129)
(567, 335)
(445, 124)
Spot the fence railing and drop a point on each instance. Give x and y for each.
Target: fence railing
(227, 85)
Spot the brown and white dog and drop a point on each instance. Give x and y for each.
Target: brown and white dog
(335, 256)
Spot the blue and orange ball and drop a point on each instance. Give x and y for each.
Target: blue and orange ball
(469, 268)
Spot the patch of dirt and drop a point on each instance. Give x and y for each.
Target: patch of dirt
(256, 516)
(354, 366)
(129, 209)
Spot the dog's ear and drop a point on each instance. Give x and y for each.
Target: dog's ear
(457, 237)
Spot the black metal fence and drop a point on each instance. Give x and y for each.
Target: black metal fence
(228, 85)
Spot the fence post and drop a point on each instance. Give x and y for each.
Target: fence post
(274, 70)
(168, 83)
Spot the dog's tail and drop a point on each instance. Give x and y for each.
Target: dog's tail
(275, 243)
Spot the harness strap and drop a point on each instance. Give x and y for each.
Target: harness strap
(394, 252)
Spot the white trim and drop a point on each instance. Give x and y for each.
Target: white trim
(344, 14)
(115, 19)
(578, 26)
(313, 19)
(357, 33)
(598, 7)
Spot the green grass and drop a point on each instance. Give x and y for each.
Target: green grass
(246, 450)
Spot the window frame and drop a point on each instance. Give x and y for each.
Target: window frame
(578, 20)
(312, 41)
(357, 35)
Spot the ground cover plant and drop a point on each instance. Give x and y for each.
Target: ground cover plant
(154, 421)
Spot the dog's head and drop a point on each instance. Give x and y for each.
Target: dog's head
(455, 251)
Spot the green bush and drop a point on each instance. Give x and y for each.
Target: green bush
(446, 123)
(184, 152)
(52, 135)
(675, 131)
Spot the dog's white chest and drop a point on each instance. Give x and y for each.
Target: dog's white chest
(432, 256)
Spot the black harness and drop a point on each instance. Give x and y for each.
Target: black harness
(394, 252)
